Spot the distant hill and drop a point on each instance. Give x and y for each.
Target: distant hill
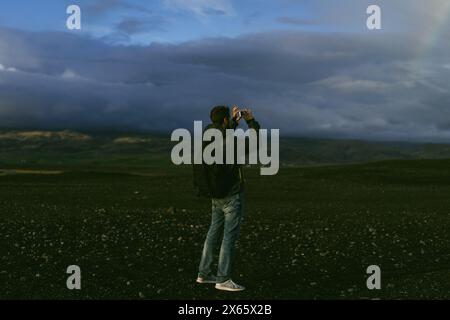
(307, 151)
(65, 148)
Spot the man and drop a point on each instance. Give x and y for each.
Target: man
(224, 184)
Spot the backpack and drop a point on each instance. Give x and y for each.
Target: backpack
(212, 181)
(201, 181)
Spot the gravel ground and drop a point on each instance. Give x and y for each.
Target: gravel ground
(308, 233)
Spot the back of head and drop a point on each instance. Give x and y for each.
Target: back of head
(218, 113)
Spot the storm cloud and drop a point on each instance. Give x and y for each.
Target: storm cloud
(339, 85)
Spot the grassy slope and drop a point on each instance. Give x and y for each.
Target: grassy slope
(109, 151)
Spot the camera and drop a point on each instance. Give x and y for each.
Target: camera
(240, 114)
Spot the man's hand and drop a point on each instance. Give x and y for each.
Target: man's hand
(247, 114)
(234, 113)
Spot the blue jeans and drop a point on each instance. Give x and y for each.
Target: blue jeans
(227, 215)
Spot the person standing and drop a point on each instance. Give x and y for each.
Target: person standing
(224, 184)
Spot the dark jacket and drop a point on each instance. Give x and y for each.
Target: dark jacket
(223, 180)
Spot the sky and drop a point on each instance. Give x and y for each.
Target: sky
(308, 68)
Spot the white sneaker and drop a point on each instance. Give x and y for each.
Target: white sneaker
(209, 279)
(229, 285)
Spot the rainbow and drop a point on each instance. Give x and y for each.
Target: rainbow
(439, 25)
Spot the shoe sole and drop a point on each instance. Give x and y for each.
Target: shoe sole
(205, 281)
(229, 289)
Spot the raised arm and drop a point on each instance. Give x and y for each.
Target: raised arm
(247, 114)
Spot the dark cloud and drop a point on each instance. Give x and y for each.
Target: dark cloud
(333, 85)
(132, 25)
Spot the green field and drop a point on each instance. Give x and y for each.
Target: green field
(309, 232)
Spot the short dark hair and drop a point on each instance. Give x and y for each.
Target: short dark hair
(218, 113)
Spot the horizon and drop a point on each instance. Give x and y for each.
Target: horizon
(166, 134)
